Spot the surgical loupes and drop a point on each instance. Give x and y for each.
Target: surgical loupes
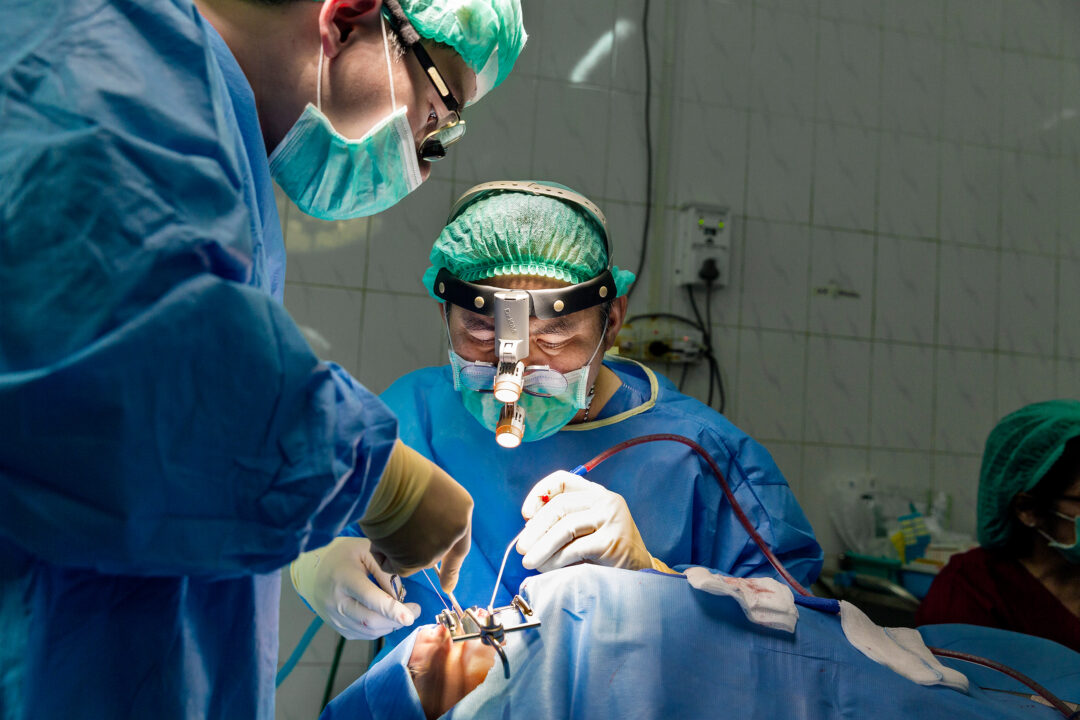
(512, 348)
(492, 629)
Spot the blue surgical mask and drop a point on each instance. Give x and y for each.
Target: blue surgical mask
(545, 414)
(332, 177)
(1071, 552)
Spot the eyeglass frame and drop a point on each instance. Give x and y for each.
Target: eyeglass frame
(398, 22)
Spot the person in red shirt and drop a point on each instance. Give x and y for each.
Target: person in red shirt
(1025, 576)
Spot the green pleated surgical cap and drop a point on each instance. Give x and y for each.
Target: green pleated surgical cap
(487, 34)
(1019, 452)
(509, 232)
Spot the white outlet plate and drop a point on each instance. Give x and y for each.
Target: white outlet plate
(704, 233)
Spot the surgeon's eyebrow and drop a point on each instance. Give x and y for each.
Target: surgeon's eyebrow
(473, 321)
(555, 326)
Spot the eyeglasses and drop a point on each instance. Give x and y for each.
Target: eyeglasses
(433, 146)
(539, 380)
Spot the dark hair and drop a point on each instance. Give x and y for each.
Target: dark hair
(1041, 499)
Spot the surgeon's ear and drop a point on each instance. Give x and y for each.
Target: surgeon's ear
(615, 321)
(339, 19)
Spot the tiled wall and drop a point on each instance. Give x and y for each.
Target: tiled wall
(924, 154)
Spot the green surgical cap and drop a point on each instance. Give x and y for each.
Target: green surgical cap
(487, 34)
(517, 233)
(1019, 452)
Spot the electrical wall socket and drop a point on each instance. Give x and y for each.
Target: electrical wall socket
(704, 233)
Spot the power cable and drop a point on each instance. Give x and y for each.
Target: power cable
(648, 150)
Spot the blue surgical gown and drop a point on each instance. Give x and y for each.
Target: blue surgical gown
(674, 498)
(620, 644)
(169, 440)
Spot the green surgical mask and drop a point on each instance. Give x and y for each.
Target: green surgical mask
(332, 177)
(1071, 552)
(544, 416)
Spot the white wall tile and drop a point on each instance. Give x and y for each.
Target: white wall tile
(970, 194)
(627, 159)
(848, 73)
(802, 7)
(838, 391)
(843, 261)
(571, 137)
(782, 64)
(845, 168)
(902, 397)
(499, 142)
(326, 253)
(402, 237)
(1023, 380)
(625, 225)
(628, 58)
(568, 31)
(716, 52)
(967, 291)
(330, 319)
(922, 17)
(958, 477)
(777, 258)
(907, 473)
(1029, 118)
(1032, 26)
(1068, 379)
(1029, 202)
(823, 469)
(906, 284)
(912, 83)
(1068, 308)
(779, 172)
(1069, 204)
(770, 384)
(972, 94)
(1026, 304)
(866, 12)
(964, 403)
(908, 195)
(1070, 98)
(711, 158)
(402, 333)
(975, 22)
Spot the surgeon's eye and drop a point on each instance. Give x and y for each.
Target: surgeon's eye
(552, 343)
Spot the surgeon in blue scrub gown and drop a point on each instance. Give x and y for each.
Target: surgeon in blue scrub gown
(167, 438)
(654, 506)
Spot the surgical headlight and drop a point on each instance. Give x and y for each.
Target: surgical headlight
(512, 343)
(511, 427)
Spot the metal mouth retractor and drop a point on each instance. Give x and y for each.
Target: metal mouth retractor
(493, 629)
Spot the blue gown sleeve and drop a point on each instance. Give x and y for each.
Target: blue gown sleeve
(160, 412)
(766, 498)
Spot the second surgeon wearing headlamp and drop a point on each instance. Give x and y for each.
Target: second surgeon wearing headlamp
(545, 249)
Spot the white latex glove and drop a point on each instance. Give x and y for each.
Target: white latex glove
(571, 520)
(334, 581)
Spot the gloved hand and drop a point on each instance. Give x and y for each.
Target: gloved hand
(334, 581)
(571, 519)
(418, 516)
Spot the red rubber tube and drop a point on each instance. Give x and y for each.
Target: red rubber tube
(1054, 701)
(747, 525)
(1057, 704)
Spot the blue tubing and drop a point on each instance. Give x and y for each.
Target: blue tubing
(301, 646)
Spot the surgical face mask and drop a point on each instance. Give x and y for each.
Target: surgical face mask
(550, 399)
(334, 178)
(1071, 552)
